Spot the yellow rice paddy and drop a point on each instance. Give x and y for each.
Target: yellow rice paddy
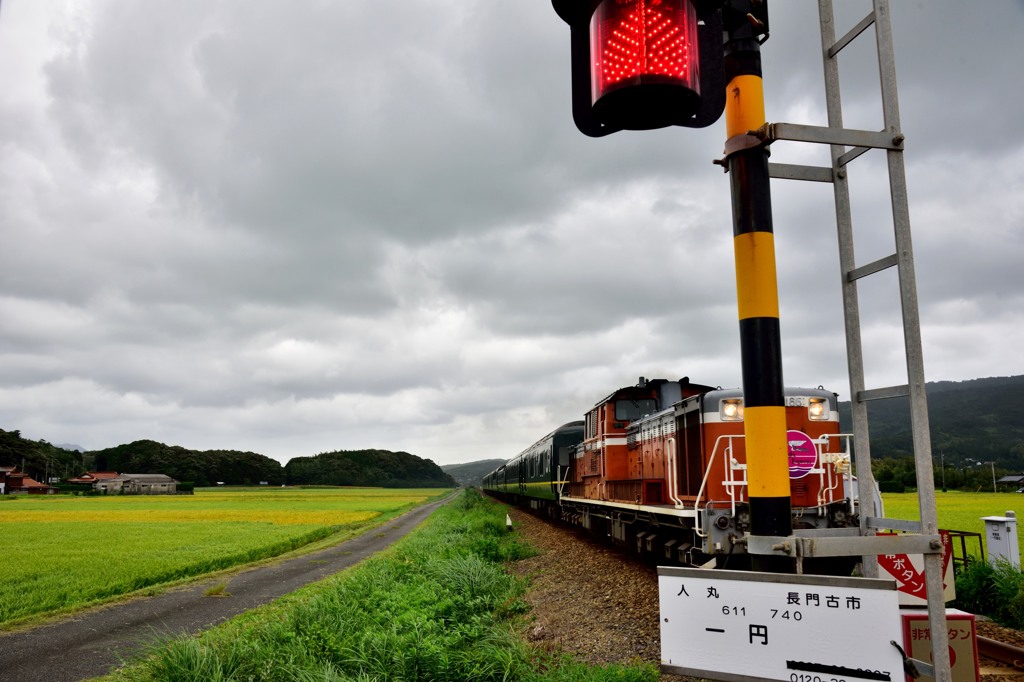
(62, 552)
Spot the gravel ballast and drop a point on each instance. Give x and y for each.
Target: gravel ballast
(601, 605)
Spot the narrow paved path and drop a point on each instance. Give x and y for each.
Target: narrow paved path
(94, 642)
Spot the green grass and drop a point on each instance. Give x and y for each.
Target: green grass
(63, 552)
(438, 606)
(956, 510)
(993, 591)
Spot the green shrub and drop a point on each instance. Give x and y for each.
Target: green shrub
(993, 591)
(975, 589)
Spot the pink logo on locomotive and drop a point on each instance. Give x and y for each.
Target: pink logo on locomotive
(803, 455)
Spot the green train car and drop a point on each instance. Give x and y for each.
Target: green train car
(539, 472)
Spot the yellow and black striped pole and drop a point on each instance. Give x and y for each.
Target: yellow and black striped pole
(758, 298)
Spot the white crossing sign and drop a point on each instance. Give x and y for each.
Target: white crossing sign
(739, 625)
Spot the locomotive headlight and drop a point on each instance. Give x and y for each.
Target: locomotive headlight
(817, 409)
(731, 410)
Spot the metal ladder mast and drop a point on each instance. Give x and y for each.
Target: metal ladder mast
(846, 146)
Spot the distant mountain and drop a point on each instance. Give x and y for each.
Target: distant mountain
(472, 473)
(70, 446)
(981, 420)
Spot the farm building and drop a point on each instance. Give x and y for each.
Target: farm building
(139, 484)
(13, 482)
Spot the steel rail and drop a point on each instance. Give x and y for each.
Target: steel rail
(1001, 651)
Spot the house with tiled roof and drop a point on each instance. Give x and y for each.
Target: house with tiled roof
(92, 477)
(14, 482)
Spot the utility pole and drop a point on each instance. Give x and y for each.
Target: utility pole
(756, 284)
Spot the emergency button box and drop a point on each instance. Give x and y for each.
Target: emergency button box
(1001, 538)
(963, 642)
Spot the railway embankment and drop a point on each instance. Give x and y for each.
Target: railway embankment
(601, 605)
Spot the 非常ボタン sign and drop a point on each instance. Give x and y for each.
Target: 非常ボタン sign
(908, 570)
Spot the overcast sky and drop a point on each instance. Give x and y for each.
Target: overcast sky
(304, 226)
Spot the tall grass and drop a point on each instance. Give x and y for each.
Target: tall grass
(439, 606)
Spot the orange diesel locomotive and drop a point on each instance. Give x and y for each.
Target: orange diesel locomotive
(662, 466)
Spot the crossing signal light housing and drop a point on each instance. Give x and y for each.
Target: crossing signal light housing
(644, 64)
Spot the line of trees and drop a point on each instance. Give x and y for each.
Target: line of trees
(379, 468)
(896, 475)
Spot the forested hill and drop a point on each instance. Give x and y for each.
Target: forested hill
(205, 468)
(981, 420)
(38, 459)
(368, 468)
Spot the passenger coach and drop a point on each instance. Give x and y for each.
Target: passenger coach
(536, 474)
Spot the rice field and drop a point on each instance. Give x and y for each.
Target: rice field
(64, 552)
(957, 510)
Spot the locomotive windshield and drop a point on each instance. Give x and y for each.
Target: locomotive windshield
(628, 410)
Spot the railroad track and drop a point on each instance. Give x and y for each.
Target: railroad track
(1002, 652)
(566, 609)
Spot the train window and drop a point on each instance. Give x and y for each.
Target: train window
(628, 410)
